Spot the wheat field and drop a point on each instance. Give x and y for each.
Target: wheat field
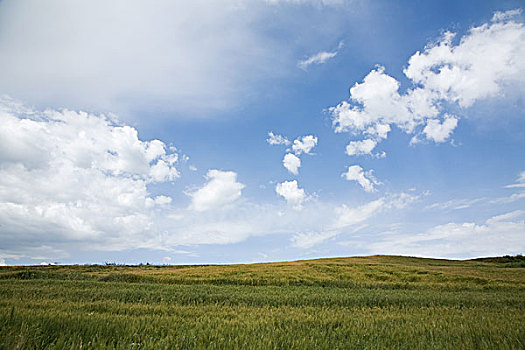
(378, 302)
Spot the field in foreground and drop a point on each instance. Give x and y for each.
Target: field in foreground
(341, 303)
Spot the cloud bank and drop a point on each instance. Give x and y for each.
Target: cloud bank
(500, 234)
(129, 55)
(67, 175)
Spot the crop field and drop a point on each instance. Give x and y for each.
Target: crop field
(379, 302)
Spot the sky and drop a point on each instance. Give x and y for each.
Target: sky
(175, 132)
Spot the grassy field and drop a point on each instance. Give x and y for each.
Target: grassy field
(342, 303)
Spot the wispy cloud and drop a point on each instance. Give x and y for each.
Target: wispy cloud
(520, 181)
(352, 219)
(319, 58)
(500, 234)
(509, 199)
(455, 204)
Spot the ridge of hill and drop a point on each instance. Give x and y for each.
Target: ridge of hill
(371, 271)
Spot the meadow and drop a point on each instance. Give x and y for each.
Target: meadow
(378, 302)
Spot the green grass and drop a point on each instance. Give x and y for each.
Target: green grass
(379, 302)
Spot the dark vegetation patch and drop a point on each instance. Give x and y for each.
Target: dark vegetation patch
(507, 260)
(124, 277)
(36, 275)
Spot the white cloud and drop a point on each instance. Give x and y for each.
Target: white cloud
(73, 181)
(440, 132)
(378, 131)
(72, 176)
(307, 240)
(159, 200)
(520, 181)
(478, 67)
(488, 59)
(194, 57)
(277, 139)
(319, 58)
(509, 199)
(293, 195)
(366, 180)
(213, 231)
(301, 145)
(358, 148)
(502, 234)
(353, 216)
(221, 189)
(292, 163)
(83, 141)
(352, 219)
(505, 217)
(304, 144)
(455, 204)
(2, 262)
(506, 15)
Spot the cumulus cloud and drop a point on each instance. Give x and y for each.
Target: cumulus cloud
(365, 179)
(221, 189)
(440, 131)
(158, 200)
(292, 163)
(293, 195)
(77, 176)
(277, 139)
(73, 181)
(482, 63)
(357, 148)
(500, 234)
(304, 144)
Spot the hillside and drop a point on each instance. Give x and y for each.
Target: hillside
(361, 302)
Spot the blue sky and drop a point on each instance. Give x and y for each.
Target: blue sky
(134, 132)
